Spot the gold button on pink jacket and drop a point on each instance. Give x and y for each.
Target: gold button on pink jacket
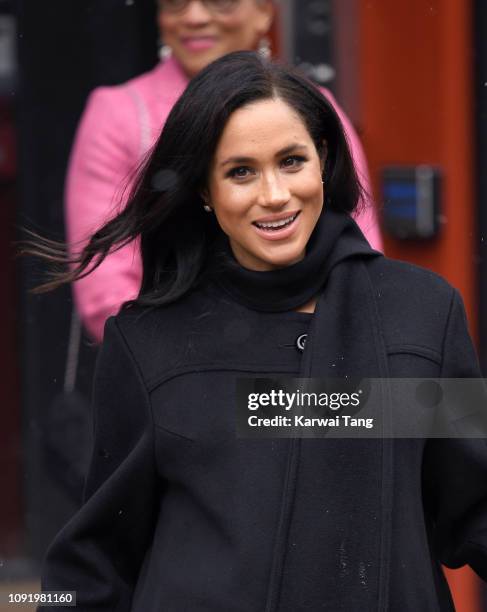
(118, 126)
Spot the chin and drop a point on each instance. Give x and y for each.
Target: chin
(287, 256)
(283, 261)
(196, 64)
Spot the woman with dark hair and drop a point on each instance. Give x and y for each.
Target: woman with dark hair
(252, 266)
(122, 122)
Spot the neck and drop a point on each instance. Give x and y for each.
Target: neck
(309, 307)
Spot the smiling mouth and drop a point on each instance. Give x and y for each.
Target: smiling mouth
(273, 226)
(199, 43)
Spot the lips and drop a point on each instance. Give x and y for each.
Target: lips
(276, 221)
(199, 43)
(277, 224)
(278, 227)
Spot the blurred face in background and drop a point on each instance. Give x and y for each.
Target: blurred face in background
(200, 32)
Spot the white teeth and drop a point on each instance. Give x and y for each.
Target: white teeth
(277, 224)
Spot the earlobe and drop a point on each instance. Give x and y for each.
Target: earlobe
(205, 196)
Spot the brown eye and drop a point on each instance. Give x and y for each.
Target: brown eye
(240, 172)
(293, 161)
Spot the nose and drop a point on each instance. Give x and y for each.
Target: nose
(196, 13)
(274, 193)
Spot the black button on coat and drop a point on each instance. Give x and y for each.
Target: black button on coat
(183, 516)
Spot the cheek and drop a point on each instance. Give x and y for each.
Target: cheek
(234, 207)
(310, 190)
(231, 209)
(167, 25)
(234, 30)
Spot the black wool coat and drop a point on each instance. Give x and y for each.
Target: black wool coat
(182, 516)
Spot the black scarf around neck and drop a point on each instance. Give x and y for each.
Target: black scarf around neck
(335, 238)
(351, 478)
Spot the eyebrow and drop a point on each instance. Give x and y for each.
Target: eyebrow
(245, 160)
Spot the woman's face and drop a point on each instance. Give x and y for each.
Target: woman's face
(201, 32)
(265, 185)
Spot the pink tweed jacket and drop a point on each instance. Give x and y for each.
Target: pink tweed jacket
(118, 127)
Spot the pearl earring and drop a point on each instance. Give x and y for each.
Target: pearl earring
(264, 49)
(207, 208)
(164, 52)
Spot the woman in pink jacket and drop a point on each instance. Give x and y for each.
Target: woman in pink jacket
(121, 123)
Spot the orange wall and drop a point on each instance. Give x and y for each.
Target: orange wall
(415, 72)
(416, 107)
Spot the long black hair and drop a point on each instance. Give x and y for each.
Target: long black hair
(165, 208)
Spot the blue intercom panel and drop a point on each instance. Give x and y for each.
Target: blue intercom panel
(411, 200)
